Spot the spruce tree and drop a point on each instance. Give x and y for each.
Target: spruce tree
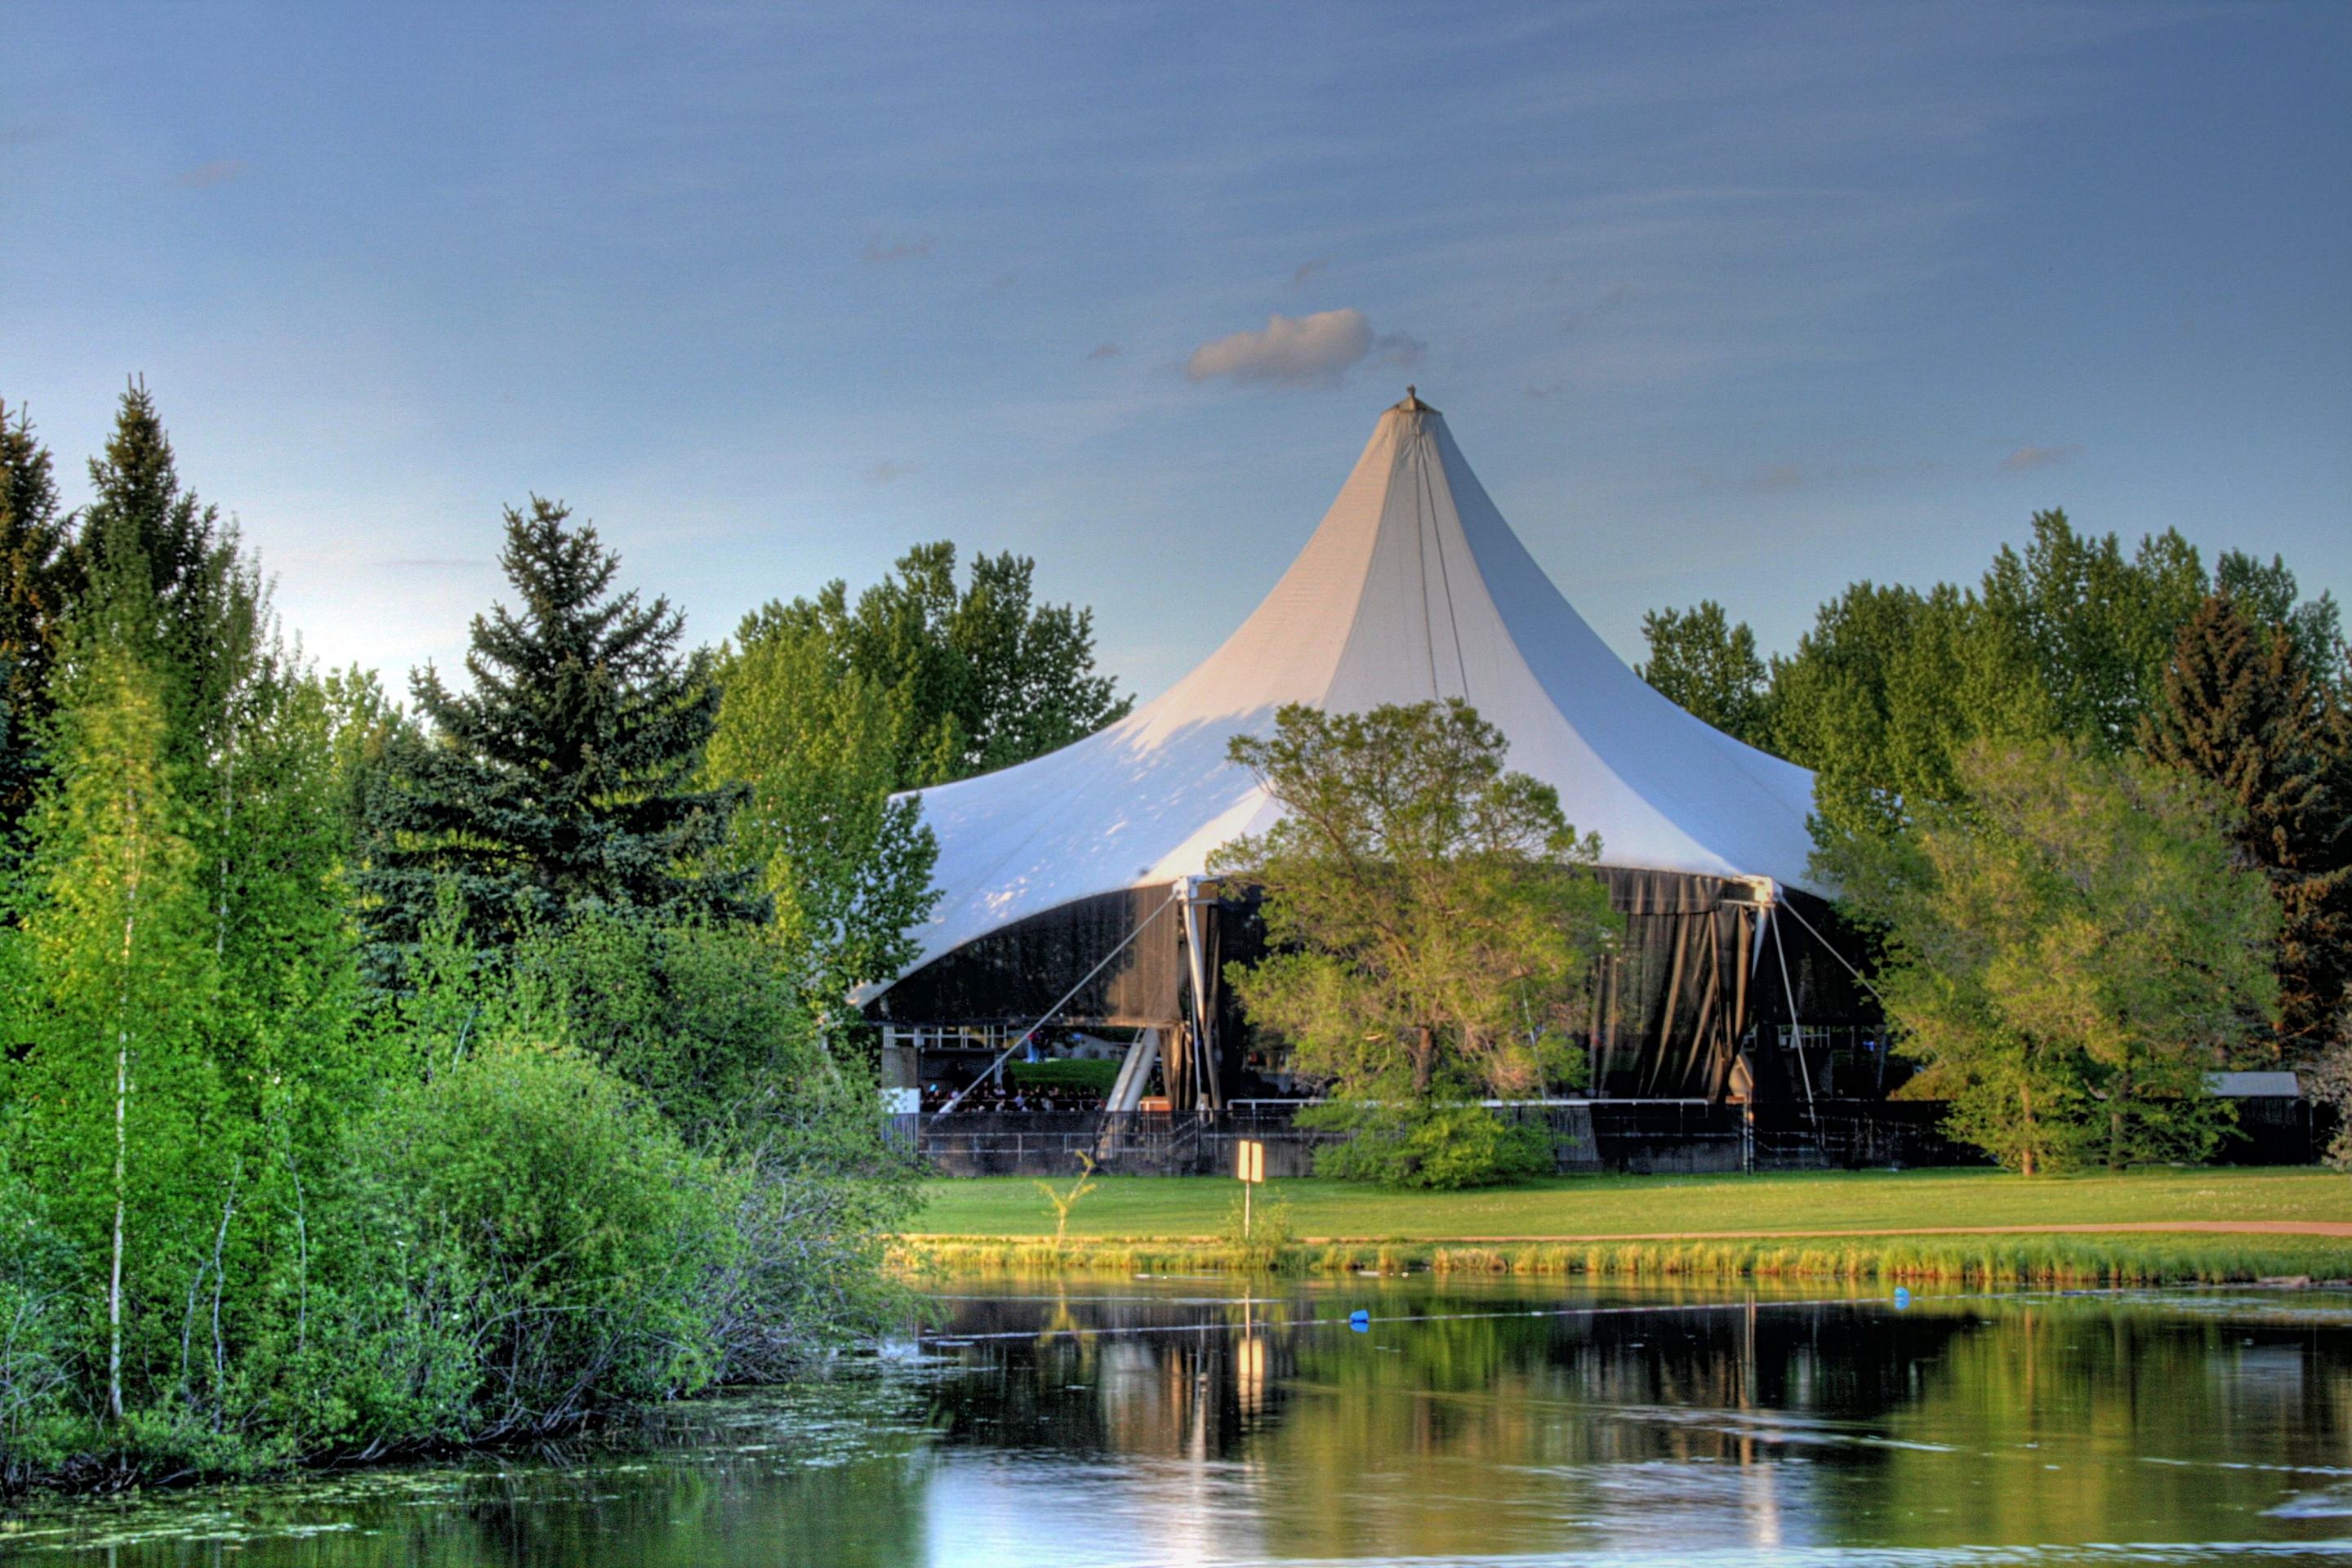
(2241, 710)
(565, 780)
(35, 584)
(160, 575)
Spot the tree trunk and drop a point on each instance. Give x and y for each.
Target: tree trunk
(1421, 1064)
(121, 1124)
(2025, 1100)
(2116, 1096)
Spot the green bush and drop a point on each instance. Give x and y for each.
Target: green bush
(1437, 1144)
(561, 1225)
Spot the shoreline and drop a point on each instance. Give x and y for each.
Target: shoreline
(2143, 1253)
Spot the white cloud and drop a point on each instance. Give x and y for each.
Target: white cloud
(1303, 351)
(2032, 456)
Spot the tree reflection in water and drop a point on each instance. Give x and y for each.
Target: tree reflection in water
(1170, 1421)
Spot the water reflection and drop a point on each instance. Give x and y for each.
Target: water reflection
(1181, 1421)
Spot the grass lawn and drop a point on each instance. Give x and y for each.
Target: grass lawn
(1776, 1203)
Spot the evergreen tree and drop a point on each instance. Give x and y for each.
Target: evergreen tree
(1709, 668)
(2242, 711)
(978, 677)
(159, 575)
(566, 778)
(35, 581)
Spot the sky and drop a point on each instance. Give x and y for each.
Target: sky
(1738, 301)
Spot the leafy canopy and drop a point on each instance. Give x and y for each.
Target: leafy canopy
(977, 677)
(812, 741)
(2069, 953)
(1708, 667)
(1433, 918)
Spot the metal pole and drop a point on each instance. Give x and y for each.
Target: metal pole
(1174, 893)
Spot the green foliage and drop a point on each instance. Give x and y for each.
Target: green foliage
(1433, 922)
(1062, 1200)
(35, 584)
(1438, 1144)
(814, 742)
(574, 1232)
(565, 779)
(1258, 1231)
(2069, 954)
(607, 1161)
(115, 1089)
(976, 678)
(2243, 712)
(1701, 661)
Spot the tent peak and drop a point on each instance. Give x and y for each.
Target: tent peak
(1412, 403)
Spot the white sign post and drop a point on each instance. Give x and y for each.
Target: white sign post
(1249, 1164)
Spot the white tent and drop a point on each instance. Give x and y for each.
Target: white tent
(1413, 588)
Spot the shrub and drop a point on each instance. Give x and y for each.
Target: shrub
(560, 1225)
(1438, 1144)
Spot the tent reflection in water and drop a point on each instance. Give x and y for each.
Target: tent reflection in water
(1413, 588)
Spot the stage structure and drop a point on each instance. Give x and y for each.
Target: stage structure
(1074, 887)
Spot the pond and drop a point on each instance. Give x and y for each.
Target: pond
(1205, 1420)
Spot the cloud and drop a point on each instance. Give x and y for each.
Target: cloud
(2032, 456)
(1103, 350)
(887, 471)
(1303, 351)
(904, 250)
(219, 172)
(1310, 268)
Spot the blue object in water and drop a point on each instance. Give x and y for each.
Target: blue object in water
(1902, 1297)
(1361, 1321)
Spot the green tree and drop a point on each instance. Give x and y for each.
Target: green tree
(1433, 918)
(35, 582)
(2268, 594)
(1881, 694)
(1709, 668)
(978, 677)
(2242, 711)
(2068, 954)
(811, 740)
(114, 1088)
(2093, 629)
(566, 778)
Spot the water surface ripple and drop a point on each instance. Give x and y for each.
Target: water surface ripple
(1157, 1421)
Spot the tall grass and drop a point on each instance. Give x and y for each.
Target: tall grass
(1983, 1261)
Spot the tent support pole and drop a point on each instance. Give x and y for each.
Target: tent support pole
(1780, 952)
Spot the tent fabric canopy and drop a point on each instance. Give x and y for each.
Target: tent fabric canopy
(1413, 588)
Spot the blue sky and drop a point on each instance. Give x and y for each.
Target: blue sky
(1741, 301)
